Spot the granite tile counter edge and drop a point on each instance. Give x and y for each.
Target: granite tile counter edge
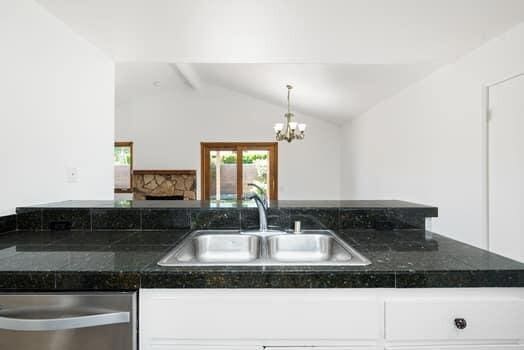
(133, 280)
(95, 219)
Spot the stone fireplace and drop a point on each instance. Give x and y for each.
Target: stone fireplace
(155, 184)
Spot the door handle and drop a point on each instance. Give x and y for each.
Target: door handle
(55, 324)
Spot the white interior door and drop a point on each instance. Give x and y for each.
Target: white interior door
(506, 168)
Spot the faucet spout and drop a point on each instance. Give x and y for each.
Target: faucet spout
(262, 192)
(262, 212)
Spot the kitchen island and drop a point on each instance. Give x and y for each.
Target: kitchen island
(115, 245)
(421, 291)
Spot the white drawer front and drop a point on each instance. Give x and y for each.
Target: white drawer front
(254, 315)
(434, 319)
(355, 347)
(458, 347)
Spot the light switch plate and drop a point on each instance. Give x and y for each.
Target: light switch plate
(72, 175)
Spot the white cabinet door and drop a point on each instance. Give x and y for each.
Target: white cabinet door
(299, 316)
(175, 346)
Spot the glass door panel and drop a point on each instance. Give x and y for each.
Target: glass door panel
(223, 174)
(255, 170)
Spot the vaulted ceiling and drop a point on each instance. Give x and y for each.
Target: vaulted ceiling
(343, 56)
(303, 31)
(333, 92)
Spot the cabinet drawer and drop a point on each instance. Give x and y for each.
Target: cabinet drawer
(435, 319)
(342, 347)
(458, 347)
(268, 315)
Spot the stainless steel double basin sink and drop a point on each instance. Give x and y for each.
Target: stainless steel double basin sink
(255, 248)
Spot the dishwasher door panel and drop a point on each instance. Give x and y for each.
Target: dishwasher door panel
(93, 338)
(95, 321)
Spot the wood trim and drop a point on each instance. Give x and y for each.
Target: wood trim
(240, 172)
(204, 170)
(124, 190)
(164, 172)
(124, 144)
(206, 147)
(273, 164)
(235, 145)
(130, 145)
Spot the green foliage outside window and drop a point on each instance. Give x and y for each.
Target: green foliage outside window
(122, 156)
(246, 158)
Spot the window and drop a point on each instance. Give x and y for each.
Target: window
(123, 162)
(227, 168)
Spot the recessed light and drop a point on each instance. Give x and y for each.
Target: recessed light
(156, 83)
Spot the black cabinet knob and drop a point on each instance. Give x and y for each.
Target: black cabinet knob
(460, 323)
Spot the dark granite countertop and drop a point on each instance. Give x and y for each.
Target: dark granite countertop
(229, 204)
(126, 260)
(164, 215)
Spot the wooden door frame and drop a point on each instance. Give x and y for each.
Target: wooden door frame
(206, 147)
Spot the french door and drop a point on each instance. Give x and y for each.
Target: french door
(228, 167)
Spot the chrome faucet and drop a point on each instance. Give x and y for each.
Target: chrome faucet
(262, 214)
(261, 205)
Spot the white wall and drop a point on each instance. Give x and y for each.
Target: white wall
(57, 110)
(426, 143)
(167, 130)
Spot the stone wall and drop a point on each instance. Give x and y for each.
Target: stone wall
(164, 183)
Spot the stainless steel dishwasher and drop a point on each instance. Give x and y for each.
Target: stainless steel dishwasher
(74, 321)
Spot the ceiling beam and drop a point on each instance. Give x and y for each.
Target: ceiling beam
(188, 74)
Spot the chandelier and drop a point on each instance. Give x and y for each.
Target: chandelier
(291, 130)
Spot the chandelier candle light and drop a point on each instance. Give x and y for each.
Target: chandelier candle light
(288, 132)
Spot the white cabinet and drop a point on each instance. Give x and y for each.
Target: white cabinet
(336, 319)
